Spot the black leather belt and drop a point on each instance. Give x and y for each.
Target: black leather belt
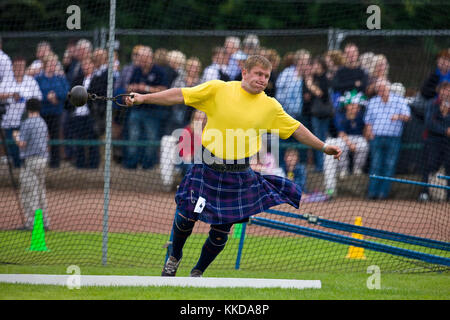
(223, 167)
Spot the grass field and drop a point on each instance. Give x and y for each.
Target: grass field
(282, 257)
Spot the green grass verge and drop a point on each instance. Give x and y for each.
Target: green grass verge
(263, 257)
(335, 286)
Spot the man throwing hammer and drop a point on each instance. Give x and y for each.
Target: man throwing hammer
(222, 189)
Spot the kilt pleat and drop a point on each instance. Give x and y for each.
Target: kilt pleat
(229, 197)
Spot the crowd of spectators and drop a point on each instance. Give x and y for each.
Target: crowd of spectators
(368, 111)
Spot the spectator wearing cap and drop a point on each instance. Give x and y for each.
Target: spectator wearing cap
(349, 123)
(384, 120)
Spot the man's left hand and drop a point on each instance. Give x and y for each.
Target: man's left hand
(333, 151)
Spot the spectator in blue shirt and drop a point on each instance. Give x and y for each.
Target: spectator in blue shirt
(54, 90)
(384, 119)
(437, 138)
(144, 122)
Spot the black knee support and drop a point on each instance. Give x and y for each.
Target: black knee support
(183, 225)
(218, 238)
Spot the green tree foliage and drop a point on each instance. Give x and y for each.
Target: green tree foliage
(50, 15)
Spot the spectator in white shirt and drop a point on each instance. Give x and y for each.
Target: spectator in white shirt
(14, 92)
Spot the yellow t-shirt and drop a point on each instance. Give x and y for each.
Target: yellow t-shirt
(236, 118)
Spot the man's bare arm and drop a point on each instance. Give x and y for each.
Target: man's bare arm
(168, 97)
(306, 137)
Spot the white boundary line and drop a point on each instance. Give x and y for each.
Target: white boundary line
(106, 281)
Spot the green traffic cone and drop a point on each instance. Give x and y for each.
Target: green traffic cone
(38, 235)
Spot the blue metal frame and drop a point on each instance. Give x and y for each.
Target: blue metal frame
(268, 223)
(423, 184)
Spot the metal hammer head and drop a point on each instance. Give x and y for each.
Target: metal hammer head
(78, 96)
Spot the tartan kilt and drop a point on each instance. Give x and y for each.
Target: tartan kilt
(227, 197)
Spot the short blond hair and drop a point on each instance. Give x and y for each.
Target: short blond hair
(257, 60)
(176, 59)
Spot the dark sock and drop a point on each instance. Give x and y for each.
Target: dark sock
(182, 229)
(214, 244)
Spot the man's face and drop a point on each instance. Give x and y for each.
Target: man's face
(231, 47)
(444, 95)
(42, 51)
(380, 69)
(193, 67)
(443, 64)
(19, 68)
(291, 158)
(256, 79)
(382, 89)
(304, 66)
(351, 55)
(50, 66)
(81, 53)
(352, 109)
(145, 58)
(87, 66)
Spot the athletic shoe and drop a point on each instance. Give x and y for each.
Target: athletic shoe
(196, 273)
(170, 268)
